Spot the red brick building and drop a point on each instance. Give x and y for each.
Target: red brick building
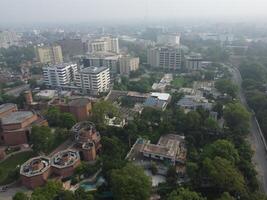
(35, 172)
(64, 162)
(87, 140)
(16, 125)
(81, 107)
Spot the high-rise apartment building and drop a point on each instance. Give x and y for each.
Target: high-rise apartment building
(49, 54)
(103, 59)
(167, 57)
(93, 80)
(193, 61)
(60, 75)
(105, 44)
(169, 39)
(128, 64)
(8, 38)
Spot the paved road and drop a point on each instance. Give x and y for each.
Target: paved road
(260, 155)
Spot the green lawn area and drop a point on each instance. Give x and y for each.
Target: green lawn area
(8, 167)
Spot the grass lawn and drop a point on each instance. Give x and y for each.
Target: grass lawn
(8, 167)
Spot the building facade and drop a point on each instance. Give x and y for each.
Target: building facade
(81, 108)
(165, 57)
(169, 39)
(105, 44)
(105, 59)
(193, 62)
(59, 75)
(71, 46)
(16, 125)
(49, 54)
(8, 38)
(128, 64)
(93, 80)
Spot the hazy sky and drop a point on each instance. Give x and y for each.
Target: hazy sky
(28, 11)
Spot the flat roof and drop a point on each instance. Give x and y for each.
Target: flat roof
(93, 70)
(169, 146)
(46, 93)
(79, 102)
(63, 65)
(16, 117)
(5, 107)
(138, 94)
(161, 96)
(154, 102)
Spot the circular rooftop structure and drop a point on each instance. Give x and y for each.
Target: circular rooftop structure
(35, 166)
(65, 158)
(85, 132)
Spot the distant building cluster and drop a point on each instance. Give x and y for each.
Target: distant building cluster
(8, 39)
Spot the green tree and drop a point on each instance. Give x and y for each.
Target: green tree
(20, 196)
(130, 183)
(224, 175)
(172, 176)
(58, 119)
(41, 138)
(52, 115)
(236, 117)
(67, 120)
(221, 148)
(103, 109)
(211, 124)
(184, 194)
(226, 86)
(192, 120)
(81, 194)
(226, 196)
(48, 192)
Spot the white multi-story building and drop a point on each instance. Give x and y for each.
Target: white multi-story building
(128, 64)
(193, 61)
(169, 39)
(105, 44)
(93, 80)
(103, 59)
(60, 75)
(167, 57)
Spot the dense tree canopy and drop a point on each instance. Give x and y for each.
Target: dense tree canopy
(103, 110)
(224, 175)
(41, 138)
(222, 148)
(59, 119)
(184, 194)
(130, 183)
(226, 86)
(236, 117)
(53, 190)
